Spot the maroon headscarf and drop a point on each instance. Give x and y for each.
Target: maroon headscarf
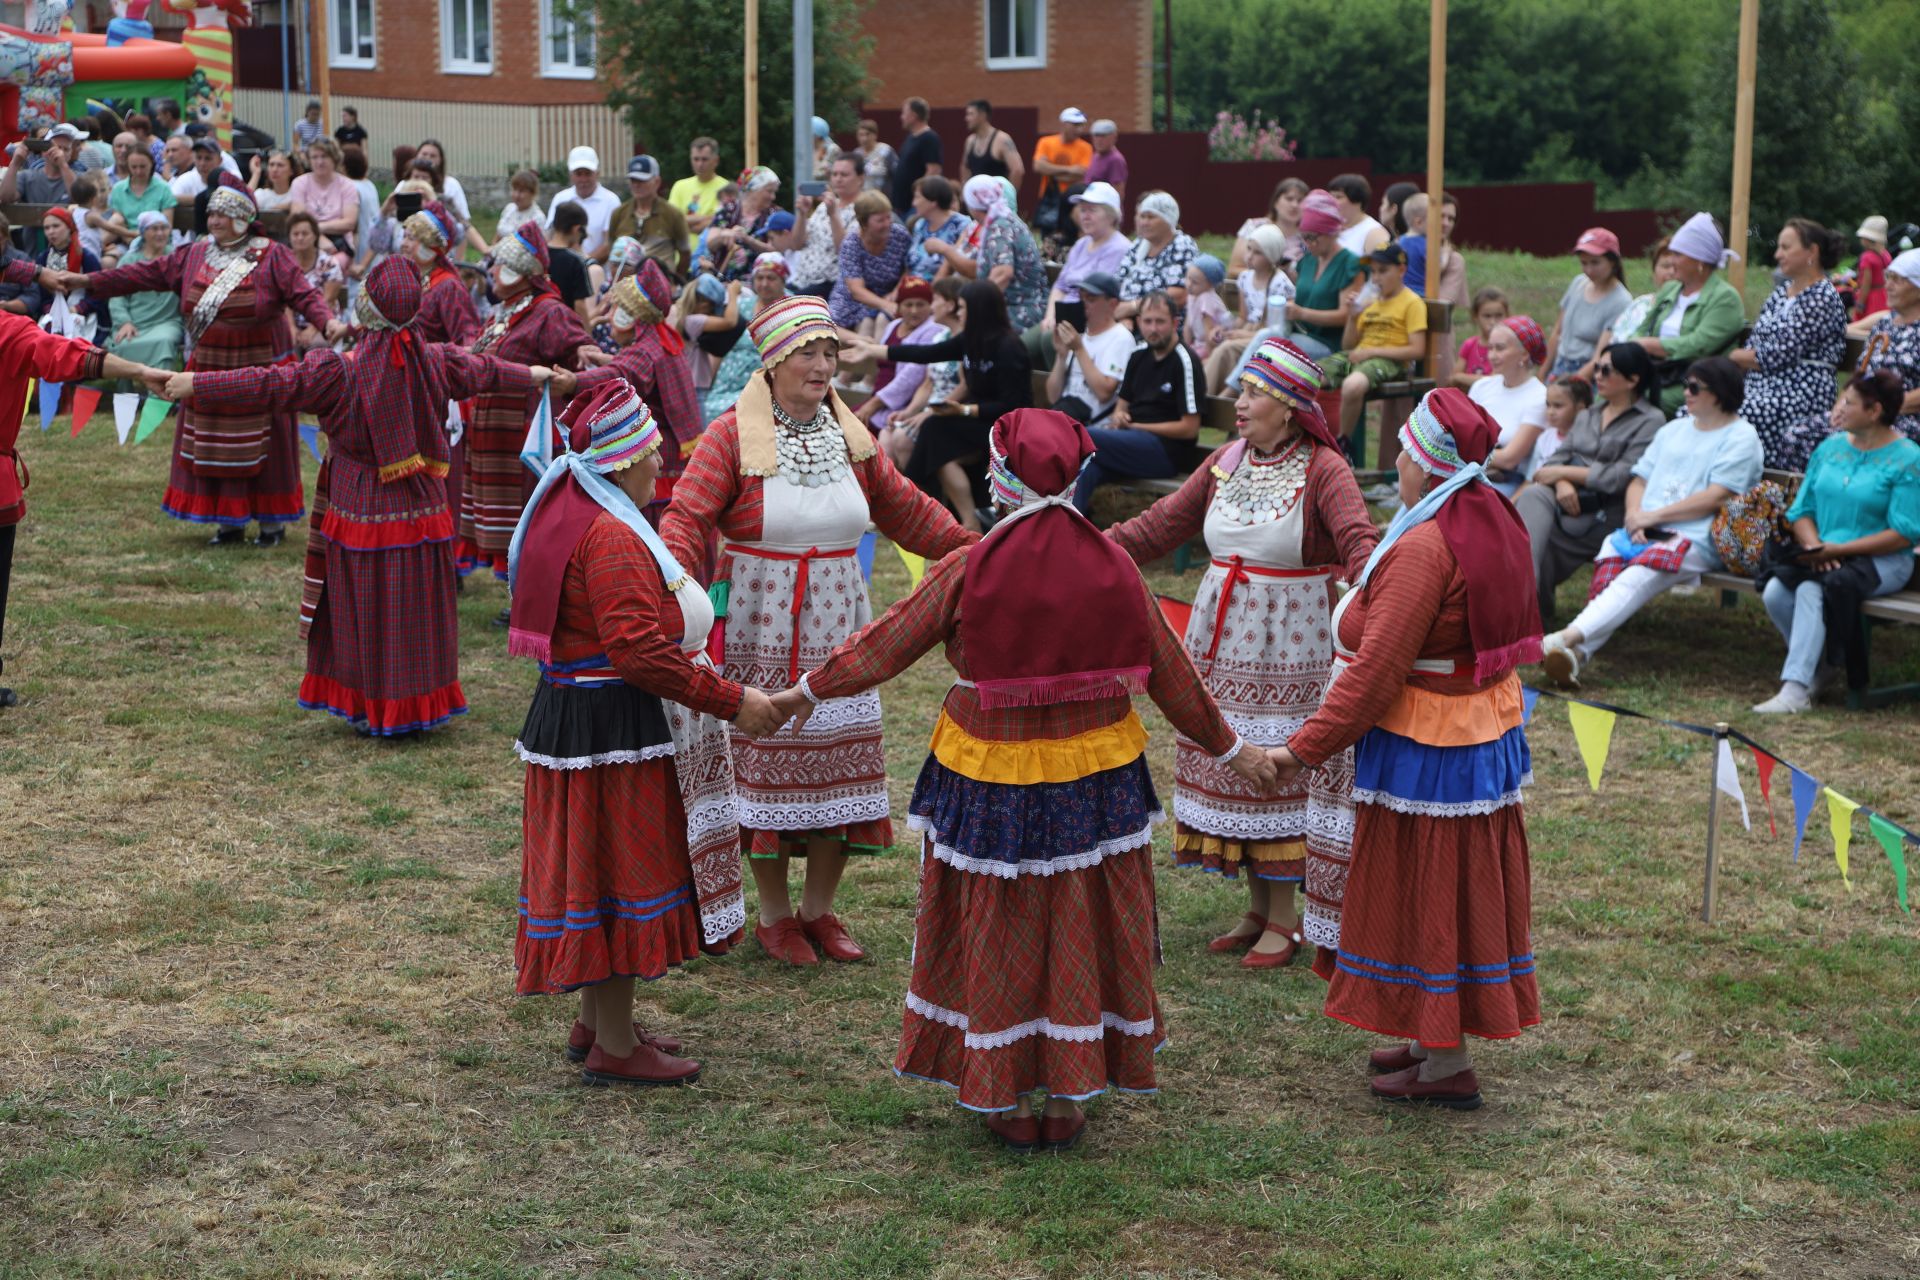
(394, 393)
(1051, 610)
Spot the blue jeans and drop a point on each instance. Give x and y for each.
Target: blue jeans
(1800, 614)
(1121, 454)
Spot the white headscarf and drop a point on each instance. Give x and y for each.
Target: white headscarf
(985, 195)
(1906, 266)
(1700, 240)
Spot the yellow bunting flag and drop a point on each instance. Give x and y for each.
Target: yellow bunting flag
(916, 565)
(1840, 813)
(33, 398)
(1593, 730)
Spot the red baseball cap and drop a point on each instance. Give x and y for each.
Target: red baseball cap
(1597, 240)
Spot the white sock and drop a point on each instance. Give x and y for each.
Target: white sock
(1442, 1063)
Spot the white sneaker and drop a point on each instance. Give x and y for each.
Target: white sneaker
(1560, 662)
(1790, 701)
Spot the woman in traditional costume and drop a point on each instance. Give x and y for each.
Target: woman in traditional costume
(383, 649)
(533, 326)
(1283, 518)
(1036, 937)
(1435, 940)
(446, 314)
(630, 857)
(792, 479)
(235, 290)
(650, 357)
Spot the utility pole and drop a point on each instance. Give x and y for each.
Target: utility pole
(752, 156)
(802, 93)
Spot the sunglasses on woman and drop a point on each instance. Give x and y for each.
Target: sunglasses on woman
(1694, 387)
(1603, 371)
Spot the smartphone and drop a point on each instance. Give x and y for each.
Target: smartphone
(813, 190)
(1073, 313)
(406, 204)
(39, 146)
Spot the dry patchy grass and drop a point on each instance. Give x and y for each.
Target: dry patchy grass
(259, 1018)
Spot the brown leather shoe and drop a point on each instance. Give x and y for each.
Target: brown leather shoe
(1460, 1091)
(784, 940)
(580, 1039)
(1063, 1133)
(832, 936)
(646, 1065)
(1021, 1134)
(1275, 959)
(1239, 942)
(1387, 1061)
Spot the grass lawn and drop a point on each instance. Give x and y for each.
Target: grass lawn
(259, 1022)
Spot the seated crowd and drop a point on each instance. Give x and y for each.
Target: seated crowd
(1635, 430)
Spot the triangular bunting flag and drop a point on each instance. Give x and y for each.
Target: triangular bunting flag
(1593, 731)
(916, 565)
(1840, 818)
(1763, 765)
(456, 423)
(1893, 840)
(85, 401)
(1727, 778)
(33, 398)
(1529, 698)
(864, 553)
(152, 414)
(1177, 613)
(1806, 789)
(537, 452)
(310, 434)
(126, 408)
(50, 402)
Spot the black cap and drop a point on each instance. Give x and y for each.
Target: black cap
(204, 143)
(1100, 284)
(1389, 255)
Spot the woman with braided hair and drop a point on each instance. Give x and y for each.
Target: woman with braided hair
(235, 287)
(378, 614)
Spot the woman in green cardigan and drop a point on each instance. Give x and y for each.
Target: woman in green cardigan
(1696, 315)
(146, 326)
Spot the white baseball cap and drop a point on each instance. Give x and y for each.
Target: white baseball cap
(1099, 193)
(1073, 115)
(64, 130)
(583, 158)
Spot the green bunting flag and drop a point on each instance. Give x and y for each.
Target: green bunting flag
(1893, 840)
(151, 415)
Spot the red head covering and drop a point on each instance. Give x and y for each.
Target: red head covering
(1527, 330)
(1051, 610)
(393, 389)
(914, 287)
(1490, 542)
(64, 214)
(658, 290)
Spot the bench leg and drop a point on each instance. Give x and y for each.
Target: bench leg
(1393, 415)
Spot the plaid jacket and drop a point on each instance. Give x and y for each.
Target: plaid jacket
(276, 282)
(446, 313)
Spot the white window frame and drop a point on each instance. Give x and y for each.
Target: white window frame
(1037, 60)
(335, 58)
(548, 28)
(451, 62)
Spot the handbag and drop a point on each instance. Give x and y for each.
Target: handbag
(1050, 217)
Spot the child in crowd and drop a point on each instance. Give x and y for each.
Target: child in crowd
(1870, 286)
(1382, 340)
(1565, 400)
(523, 207)
(941, 384)
(1413, 212)
(103, 232)
(1207, 314)
(1489, 309)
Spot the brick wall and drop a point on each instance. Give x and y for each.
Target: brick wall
(1097, 58)
(407, 50)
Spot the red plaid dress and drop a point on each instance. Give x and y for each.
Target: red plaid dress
(818, 770)
(1032, 960)
(378, 614)
(545, 331)
(232, 467)
(447, 314)
(606, 888)
(666, 384)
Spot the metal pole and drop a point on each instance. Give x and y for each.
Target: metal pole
(802, 92)
(752, 156)
(286, 74)
(323, 55)
(1743, 141)
(1713, 821)
(306, 60)
(1166, 54)
(1436, 138)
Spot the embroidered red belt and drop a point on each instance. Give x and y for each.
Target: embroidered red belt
(1239, 571)
(803, 559)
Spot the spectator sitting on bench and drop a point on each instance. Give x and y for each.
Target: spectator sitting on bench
(1101, 247)
(1087, 366)
(1515, 398)
(1489, 309)
(1698, 314)
(1207, 314)
(1855, 520)
(1265, 293)
(1694, 465)
(1413, 212)
(1157, 408)
(1381, 341)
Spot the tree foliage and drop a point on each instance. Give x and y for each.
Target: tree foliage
(678, 71)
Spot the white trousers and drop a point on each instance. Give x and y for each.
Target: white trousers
(1627, 594)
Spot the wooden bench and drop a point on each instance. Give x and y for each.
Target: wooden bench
(1900, 607)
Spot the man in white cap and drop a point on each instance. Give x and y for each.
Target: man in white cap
(1061, 159)
(43, 178)
(583, 163)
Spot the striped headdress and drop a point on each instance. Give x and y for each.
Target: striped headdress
(613, 429)
(784, 327)
(1283, 371)
(1425, 437)
(231, 199)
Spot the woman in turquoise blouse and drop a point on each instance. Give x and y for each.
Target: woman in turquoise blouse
(1856, 518)
(146, 326)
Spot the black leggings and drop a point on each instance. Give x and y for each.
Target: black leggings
(6, 578)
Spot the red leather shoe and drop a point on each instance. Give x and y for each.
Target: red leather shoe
(1239, 942)
(1275, 959)
(1021, 1134)
(580, 1039)
(646, 1065)
(1460, 1091)
(1387, 1061)
(1063, 1133)
(784, 940)
(835, 942)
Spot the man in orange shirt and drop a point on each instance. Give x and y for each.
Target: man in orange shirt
(1061, 160)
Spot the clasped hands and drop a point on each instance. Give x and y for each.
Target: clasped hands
(762, 714)
(1266, 769)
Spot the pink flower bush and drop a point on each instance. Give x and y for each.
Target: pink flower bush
(1233, 137)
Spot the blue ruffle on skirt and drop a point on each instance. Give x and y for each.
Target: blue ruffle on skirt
(1441, 782)
(1006, 829)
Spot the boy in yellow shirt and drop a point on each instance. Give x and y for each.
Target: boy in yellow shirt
(1382, 340)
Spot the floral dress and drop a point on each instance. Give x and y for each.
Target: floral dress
(731, 374)
(1008, 242)
(1798, 340)
(1142, 271)
(1890, 345)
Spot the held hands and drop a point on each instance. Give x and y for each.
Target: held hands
(1253, 767)
(757, 717)
(337, 329)
(1285, 765)
(564, 381)
(793, 705)
(540, 374)
(177, 387)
